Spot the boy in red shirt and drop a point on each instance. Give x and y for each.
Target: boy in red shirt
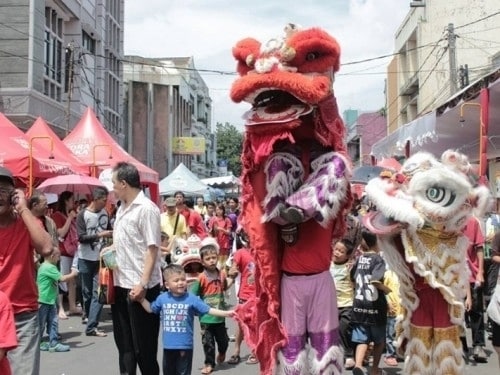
(243, 264)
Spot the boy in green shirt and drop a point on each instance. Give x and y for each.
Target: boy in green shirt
(210, 286)
(47, 280)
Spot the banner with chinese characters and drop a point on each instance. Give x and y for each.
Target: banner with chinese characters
(188, 145)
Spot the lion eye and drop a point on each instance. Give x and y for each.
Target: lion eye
(440, 195)
(312, 56)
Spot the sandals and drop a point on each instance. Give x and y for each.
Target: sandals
(391, 361)
(96, 333)
(207, 369)
(252, 360)
(234, 360)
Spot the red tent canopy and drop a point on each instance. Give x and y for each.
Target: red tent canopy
(41, 130)
(92, 144)
(15, 149)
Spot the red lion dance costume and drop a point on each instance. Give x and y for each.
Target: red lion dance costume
(420, 215)
(295, 193)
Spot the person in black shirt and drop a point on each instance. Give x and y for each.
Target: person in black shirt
(369, 314)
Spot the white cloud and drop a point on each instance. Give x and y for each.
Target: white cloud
(207, 30)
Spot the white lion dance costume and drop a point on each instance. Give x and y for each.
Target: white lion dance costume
(419, 217)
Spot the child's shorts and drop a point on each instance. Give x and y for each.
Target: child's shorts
(364, 334)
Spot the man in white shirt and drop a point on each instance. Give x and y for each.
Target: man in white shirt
(136, 239)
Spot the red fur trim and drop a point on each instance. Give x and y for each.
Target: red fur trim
(264, 331)
(245, 50)
(262, 144)
(318, 41)
(307, 89)
(328, 126)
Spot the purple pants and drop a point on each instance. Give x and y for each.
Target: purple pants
(309, 312)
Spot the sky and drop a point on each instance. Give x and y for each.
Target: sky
(208, 29)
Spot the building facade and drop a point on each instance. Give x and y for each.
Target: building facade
(441, 47)
(166, 99)
(58, 57)
(363, 130)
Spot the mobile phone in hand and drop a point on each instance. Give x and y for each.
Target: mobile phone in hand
(13, 197)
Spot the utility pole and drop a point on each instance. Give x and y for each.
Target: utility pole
(70, 61)
(452, 58)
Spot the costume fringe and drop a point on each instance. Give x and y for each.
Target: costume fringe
(417, 360)
(447, 355)
(282, 183)
(298, 367)
(307, 363)
(332, 362)
(393, 202)
(323, 182)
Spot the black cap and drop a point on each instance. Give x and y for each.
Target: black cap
(5, 174)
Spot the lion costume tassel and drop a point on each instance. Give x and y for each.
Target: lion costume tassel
(295, 194)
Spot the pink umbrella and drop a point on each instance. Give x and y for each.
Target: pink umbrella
(77, 184)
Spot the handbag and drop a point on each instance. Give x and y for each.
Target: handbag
(106, 289)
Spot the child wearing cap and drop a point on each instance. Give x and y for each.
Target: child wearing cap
(210, 286)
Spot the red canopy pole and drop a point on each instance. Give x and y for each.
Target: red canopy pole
(94, 169)
(31, 177)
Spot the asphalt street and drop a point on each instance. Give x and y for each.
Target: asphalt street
(96, 356)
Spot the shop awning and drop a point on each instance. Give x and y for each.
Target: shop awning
(419, 132)
(444, 128)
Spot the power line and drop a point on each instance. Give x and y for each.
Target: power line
(419, 70)
(478, 20)
(467, 40)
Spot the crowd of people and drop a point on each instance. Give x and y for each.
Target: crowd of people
(359, 270)
(49, 270)
(52, 251)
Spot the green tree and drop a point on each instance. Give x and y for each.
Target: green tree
(229, 146)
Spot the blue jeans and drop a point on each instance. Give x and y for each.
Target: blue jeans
(25, 359)
(177, 361)
(89, 276)
(390, 337)
(47, 317)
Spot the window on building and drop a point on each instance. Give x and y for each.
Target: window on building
(53, 54)
(191, 103)
(88, 43)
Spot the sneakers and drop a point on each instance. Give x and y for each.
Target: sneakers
(480, 355)
(44, 346)
(58, 348)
